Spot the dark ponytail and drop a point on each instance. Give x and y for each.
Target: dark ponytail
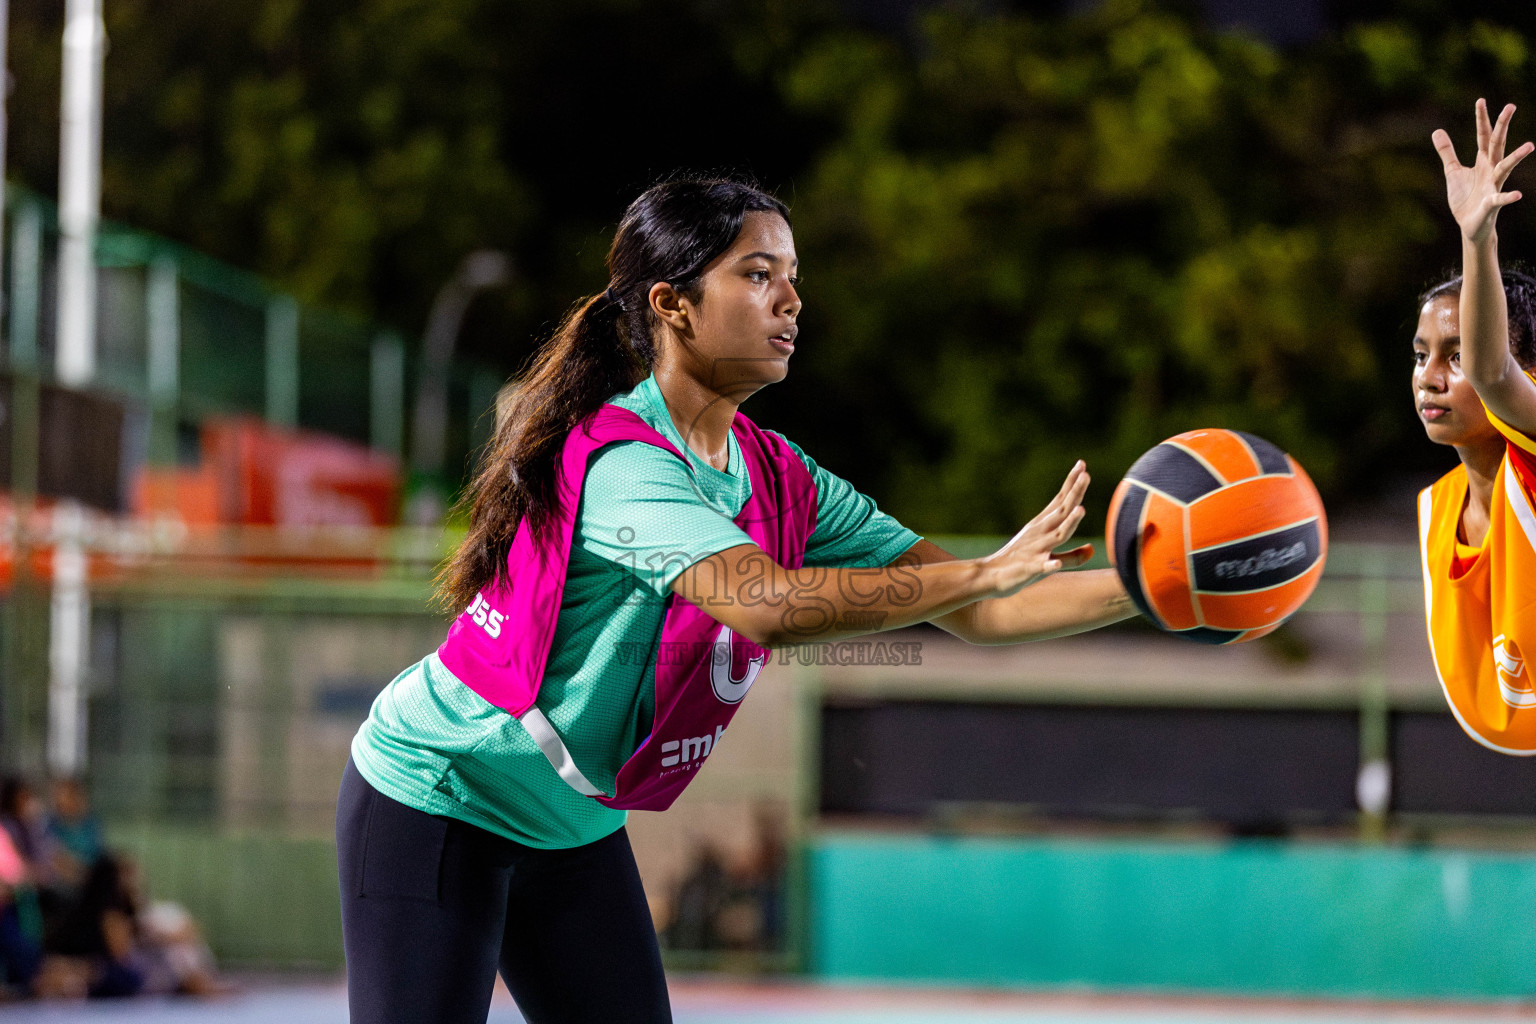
(604, 346)
(1520, 300)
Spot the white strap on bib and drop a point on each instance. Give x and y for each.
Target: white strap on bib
(554, 749)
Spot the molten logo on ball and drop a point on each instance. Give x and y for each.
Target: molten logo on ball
(1270, 558)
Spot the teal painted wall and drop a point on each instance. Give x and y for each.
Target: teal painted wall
(1252, 917)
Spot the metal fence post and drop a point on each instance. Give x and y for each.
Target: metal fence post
(1374, 784)
(26, 285)
(386, 394)
(163, 306)
(25, 310)
(799, 875)
(283, 361)
(23, 690)
(483, 388)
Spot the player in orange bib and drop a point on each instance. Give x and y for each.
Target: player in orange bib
(1473, 354)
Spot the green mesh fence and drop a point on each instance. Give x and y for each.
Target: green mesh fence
(237, 345)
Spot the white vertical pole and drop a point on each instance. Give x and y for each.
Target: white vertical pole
(79, 189)
(68, 642)
(75, 365)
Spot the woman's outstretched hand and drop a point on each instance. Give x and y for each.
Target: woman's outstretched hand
(1473, 192)
(1031, 555)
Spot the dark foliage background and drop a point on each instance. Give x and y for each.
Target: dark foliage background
(1026, 237)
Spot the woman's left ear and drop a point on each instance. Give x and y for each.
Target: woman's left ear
(669, 306)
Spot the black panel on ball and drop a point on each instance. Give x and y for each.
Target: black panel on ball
(1174, 472)
(1207, 635)
(1257, 563)
(1271, 459)
(1127, 545)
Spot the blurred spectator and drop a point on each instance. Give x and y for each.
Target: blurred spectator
(735, 905)
(172, 937)
(72, 920)
(764, 877)
(21, 956)
(50, 886)
(131, 949)
(25, 968)
(700, 895)
(24, 816)
(75, 832)
(100, 929)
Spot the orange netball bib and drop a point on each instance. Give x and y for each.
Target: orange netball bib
(1482, 616)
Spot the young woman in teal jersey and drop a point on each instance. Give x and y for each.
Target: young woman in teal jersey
(464, 845)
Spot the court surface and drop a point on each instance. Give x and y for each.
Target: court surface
(707, 1001)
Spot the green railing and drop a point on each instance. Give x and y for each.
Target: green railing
(185, 336)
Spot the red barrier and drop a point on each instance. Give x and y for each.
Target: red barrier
(255, 474)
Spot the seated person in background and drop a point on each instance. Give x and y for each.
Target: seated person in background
(101, 929)
(25, 969)
(174, 940)
(75, 832)
(47, 893)
(21, 957)
(131, 949)
(25, 818)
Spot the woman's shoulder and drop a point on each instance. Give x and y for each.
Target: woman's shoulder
(1523, 443)
(622, 465)
(1453, 482)
(644, 400)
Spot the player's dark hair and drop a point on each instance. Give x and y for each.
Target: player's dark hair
(604, 346)
(12, 789)
(1519, 298)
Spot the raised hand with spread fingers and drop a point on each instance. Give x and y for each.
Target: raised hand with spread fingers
(1475, 195)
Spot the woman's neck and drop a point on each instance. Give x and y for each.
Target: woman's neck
(1482, 462)
(702, 416)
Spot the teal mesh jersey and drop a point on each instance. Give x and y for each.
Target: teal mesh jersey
(432, 743)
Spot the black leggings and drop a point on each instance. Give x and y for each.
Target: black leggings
(432, 906)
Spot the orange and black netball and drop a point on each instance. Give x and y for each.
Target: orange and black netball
(1218, 535)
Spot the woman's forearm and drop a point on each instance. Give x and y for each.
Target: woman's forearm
(1486, 359)
(1059, 605)
(773, 606)
(1485, 355)
(745, 589)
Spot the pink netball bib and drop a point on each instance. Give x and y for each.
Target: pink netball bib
(500, 645)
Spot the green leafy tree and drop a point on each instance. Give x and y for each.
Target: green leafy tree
(354, 151)
(341, 149)
(1039, 239)
(1025, 239)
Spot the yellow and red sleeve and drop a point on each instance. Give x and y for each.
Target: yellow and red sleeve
(1522, 450)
